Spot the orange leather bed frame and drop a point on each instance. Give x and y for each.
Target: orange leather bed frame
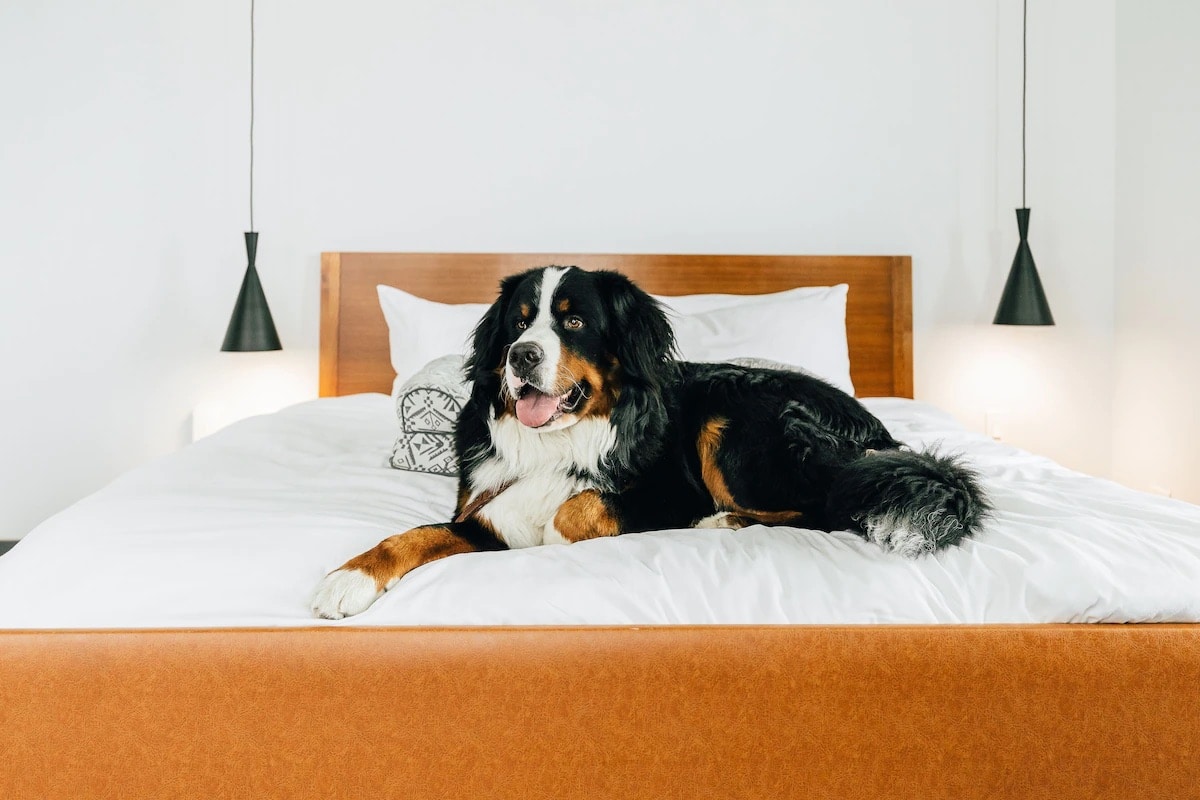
(754, 712)
(1056, 711)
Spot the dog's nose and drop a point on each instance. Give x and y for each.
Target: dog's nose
(525, 356)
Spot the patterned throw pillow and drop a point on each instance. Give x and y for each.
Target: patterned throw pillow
(427, 406)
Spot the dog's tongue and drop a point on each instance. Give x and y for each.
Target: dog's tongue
(535, 409)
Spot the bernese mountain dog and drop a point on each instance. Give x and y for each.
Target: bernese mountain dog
(582, 423)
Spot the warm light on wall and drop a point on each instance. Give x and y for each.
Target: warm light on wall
(1004, 372)
(250, 384)
(1025, 384)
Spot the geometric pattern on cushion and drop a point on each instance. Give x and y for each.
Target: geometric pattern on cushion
(425, 452)
(428, 410)
(430, 401)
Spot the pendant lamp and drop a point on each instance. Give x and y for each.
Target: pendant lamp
(1024, 300)
(251, 327)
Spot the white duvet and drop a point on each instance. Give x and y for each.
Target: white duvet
(237, 529)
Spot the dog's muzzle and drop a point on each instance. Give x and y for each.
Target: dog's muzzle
(524, 358)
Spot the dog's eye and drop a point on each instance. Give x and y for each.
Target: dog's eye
(522, 324)
(573, 323)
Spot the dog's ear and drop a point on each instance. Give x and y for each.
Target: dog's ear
(487, 350)
(488, 340)
(644, 342)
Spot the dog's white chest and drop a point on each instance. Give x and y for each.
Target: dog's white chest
(538, 470)
(523, 514)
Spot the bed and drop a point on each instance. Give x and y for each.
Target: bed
(129, 668)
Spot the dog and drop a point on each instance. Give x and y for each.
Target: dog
(581, 423)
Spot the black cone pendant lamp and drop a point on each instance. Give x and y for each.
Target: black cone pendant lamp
(1024, 300)
(251, 326)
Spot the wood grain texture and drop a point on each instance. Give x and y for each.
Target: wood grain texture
(331, 297)
(354, 340)
(902, 338)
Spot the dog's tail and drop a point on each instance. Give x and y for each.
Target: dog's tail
(906, 502)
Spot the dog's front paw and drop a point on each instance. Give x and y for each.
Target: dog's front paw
(344, 593)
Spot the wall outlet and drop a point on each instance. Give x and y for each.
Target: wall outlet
(995, 424)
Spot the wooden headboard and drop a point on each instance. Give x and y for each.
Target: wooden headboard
(354, 338)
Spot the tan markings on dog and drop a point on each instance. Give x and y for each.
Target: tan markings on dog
(564, 305)
(464, 495)
(707, 445)
(585, 516)
(603, 389)
(526, 310)
(748, 516)
(396, 556)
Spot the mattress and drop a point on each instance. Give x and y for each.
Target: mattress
(236, 530)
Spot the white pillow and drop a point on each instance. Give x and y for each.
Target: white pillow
(700, 303)
(804, 326)
(421, 330)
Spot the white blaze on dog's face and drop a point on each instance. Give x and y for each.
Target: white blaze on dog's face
(533, 358)
(557, 370)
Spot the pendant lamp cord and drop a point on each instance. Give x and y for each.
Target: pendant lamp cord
(251, 115)
(1024, 29)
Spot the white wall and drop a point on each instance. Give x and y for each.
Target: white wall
(864, 126)
(1158, 247)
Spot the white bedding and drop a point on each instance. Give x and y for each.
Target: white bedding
(237, 529)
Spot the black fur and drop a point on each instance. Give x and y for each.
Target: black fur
(790, 442)
(645, 350)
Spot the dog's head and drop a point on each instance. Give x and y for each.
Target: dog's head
(562, 344)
